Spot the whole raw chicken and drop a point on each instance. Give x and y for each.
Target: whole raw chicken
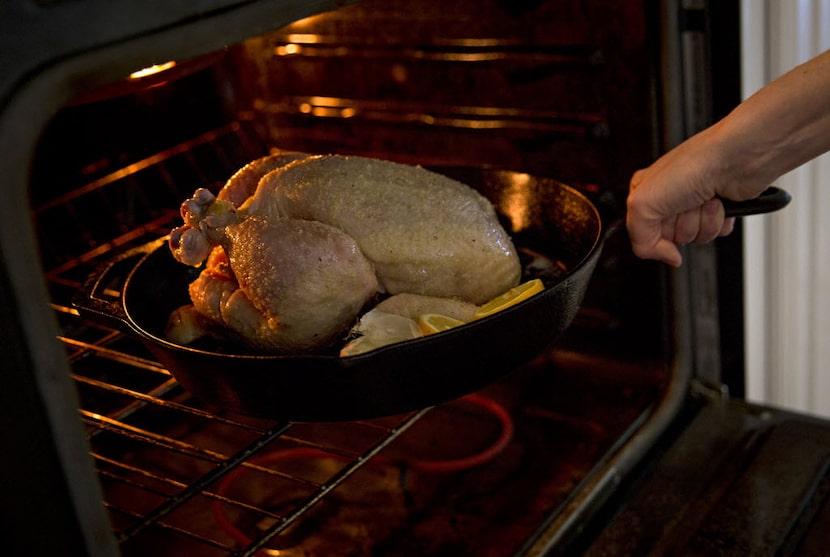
(299, 245)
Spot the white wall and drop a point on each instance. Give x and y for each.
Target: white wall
(787, 268)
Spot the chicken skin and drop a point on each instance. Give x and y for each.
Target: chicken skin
(424, 232)
(295, 285)
(244, 182)
(292, 266)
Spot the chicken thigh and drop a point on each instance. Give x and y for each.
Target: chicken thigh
(306, 281)
(284, 285)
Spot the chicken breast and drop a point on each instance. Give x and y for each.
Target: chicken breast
(424, 232)
(244, 182)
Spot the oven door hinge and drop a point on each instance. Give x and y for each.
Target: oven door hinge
(715, 394)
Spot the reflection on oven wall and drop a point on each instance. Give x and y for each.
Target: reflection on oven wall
(787, 271)
(539, 91)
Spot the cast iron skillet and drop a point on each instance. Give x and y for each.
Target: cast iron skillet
(544, 217)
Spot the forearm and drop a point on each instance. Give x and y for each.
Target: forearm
(784, 125)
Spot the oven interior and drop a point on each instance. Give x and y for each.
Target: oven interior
(549, 88)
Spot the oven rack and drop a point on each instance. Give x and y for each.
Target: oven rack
(166, 463)
(120, 474)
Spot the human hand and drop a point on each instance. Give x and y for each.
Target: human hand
(676, 200)
(671, 204)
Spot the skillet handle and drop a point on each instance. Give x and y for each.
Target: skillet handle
(99, 298)
(770, 200)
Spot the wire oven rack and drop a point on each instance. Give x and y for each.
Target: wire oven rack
(166, 463)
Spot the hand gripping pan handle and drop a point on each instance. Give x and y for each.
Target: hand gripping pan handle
(770, 200)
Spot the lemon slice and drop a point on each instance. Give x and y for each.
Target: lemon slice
(510, 298)
(435, 323)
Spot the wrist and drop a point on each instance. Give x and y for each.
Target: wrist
(743, 163)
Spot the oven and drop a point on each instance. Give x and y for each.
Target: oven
(625, 436)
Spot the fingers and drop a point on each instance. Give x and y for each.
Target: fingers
(653, 240)
(700, 225)
(663, 250)
(728, 227)
(660, 240)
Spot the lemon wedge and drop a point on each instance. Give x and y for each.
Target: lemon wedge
(510, 298)
(435, 323)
